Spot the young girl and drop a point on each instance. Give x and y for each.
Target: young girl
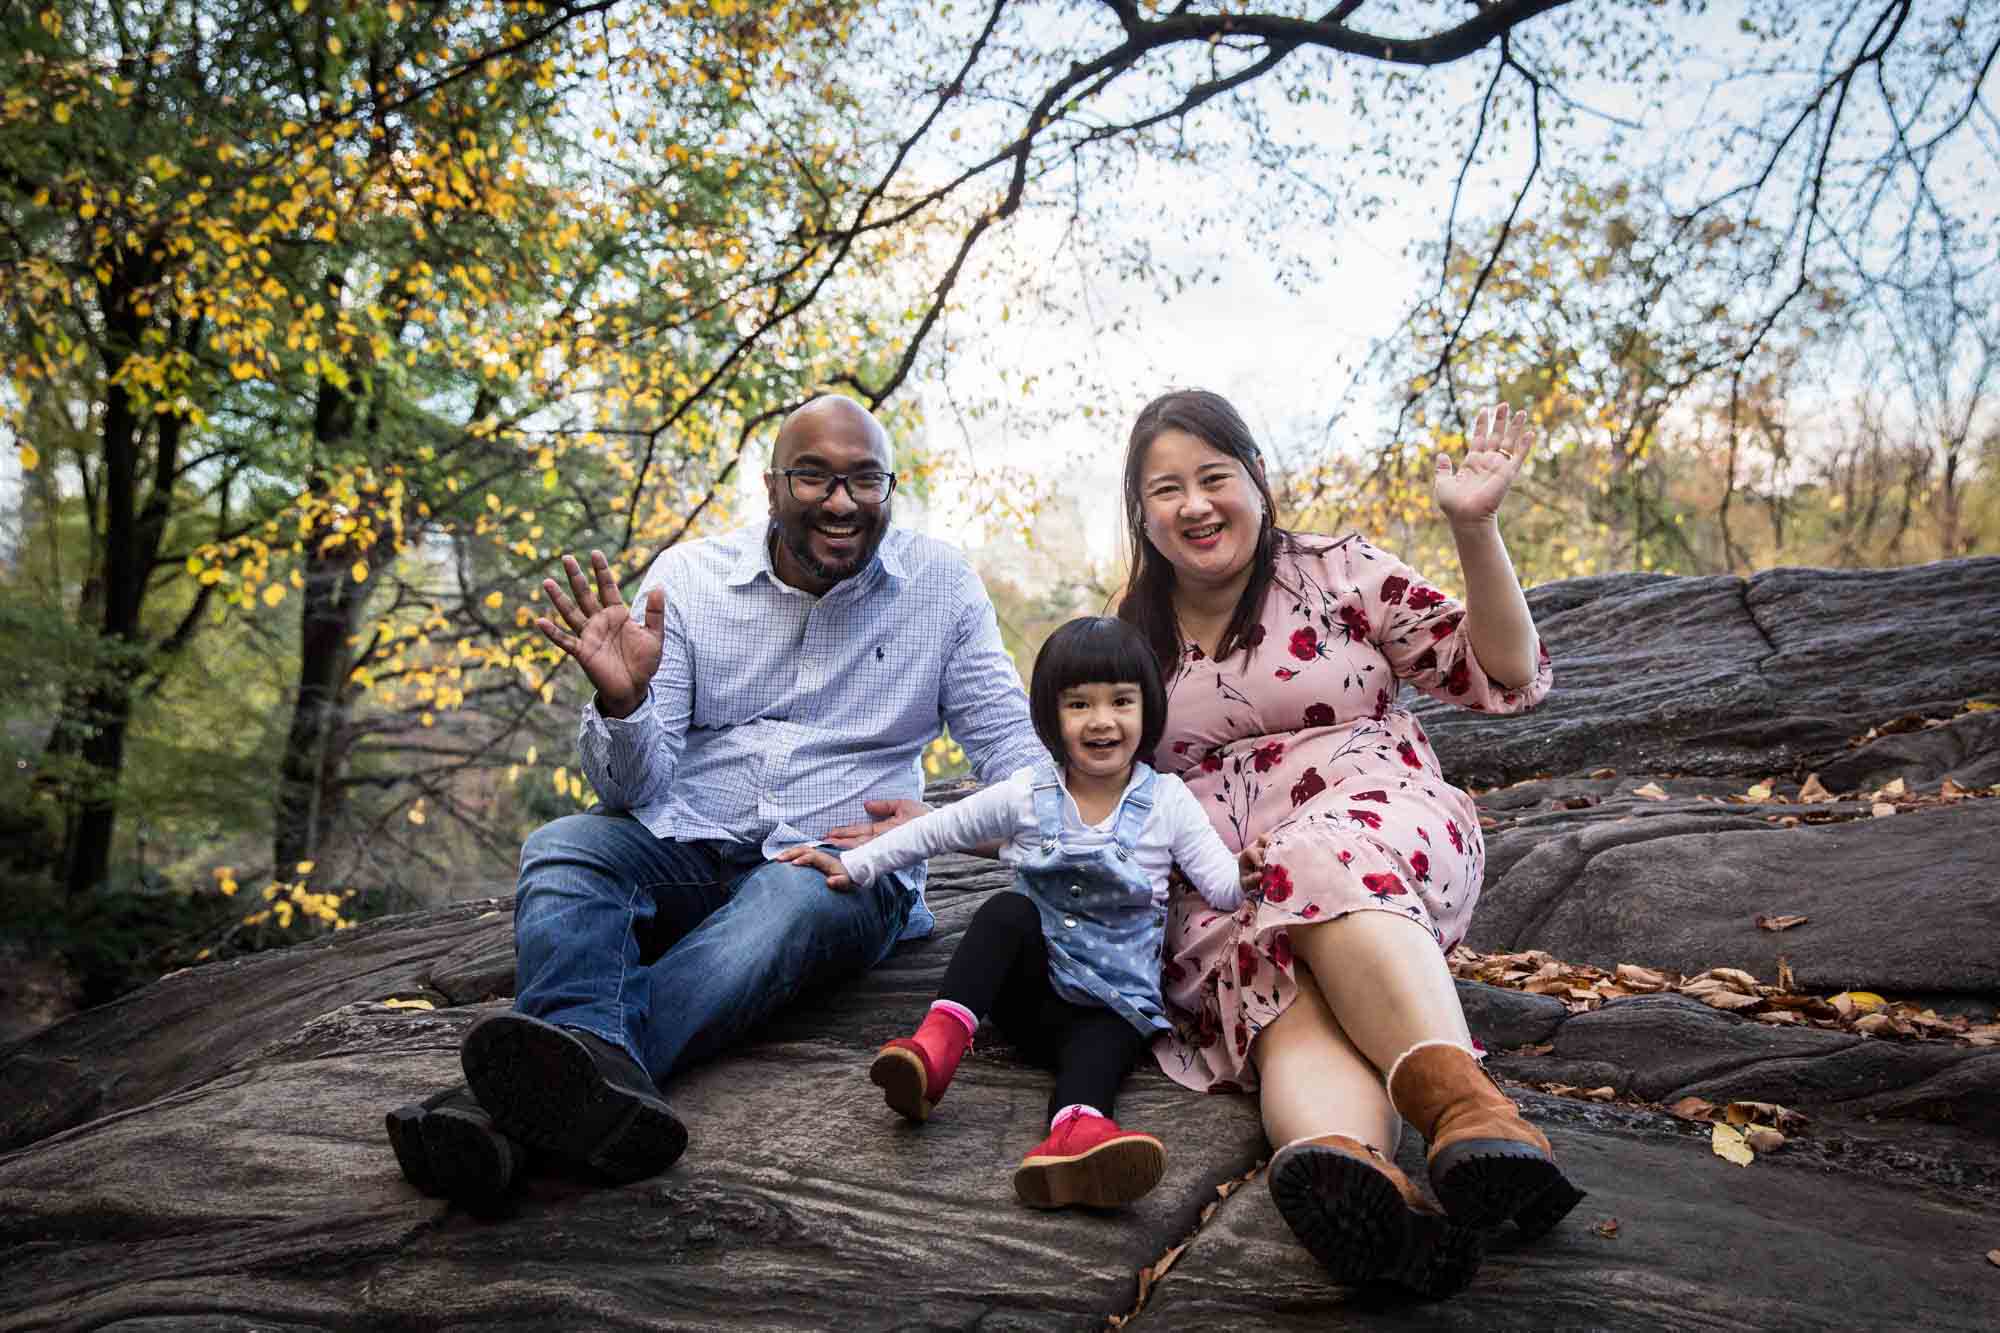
(1068, 961)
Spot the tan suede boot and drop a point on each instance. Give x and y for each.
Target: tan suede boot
(1487, 1163)
(1365, 1222)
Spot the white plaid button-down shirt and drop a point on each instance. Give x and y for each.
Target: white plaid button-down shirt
(774, 713)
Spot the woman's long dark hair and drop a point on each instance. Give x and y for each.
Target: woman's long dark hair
(1148, 599)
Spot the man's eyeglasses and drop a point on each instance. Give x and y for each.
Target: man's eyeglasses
(812, 484)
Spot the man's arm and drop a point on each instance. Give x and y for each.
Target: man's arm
(981, 698)
(630, 760)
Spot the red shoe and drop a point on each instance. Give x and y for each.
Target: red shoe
(1087, 1159)
(913, 1072)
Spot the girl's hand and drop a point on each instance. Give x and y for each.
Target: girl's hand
(1250, 864)
(805, 854)
(1470, 492)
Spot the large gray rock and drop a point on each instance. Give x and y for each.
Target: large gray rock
(1725, 675)
(1789, 1242)
(1893, 905)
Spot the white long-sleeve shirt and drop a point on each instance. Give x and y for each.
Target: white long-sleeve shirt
(1177, 830)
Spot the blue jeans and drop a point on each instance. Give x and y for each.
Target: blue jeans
(674, 950)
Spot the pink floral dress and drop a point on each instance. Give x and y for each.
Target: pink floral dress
(1303, 742)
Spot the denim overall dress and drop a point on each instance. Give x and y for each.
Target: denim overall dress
(1103, 931)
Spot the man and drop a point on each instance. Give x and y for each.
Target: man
(771, 679)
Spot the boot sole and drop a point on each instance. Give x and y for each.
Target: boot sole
(452, 1154)
(542, 1087)
(900, 1075)
(1484, 1182)
(1108, 1176)
(1353, 1220)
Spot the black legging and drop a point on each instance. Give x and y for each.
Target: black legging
(1002, 969)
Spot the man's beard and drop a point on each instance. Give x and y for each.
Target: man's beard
(797, 537)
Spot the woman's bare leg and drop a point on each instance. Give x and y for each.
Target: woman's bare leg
(1386, 982)
(1315, 1082)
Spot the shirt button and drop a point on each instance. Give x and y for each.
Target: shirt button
(1070, 922)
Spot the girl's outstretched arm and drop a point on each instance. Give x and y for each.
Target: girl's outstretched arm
(992, 814)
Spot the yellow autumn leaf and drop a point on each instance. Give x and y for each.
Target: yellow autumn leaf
(1728, 1144)
(529, 759)
(194, 564)
(360, 571)
(305, 867)
(274, 593)
(1861, 999)
(1759, 792)
(408, 1004)
(416, 814)
(62, 113)
(493, 600)
(1980, 705)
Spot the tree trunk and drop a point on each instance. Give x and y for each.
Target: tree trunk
(333, 604)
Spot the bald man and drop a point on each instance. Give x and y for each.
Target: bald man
(765, 687)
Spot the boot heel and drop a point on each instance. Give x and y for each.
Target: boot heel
(1485, 1182)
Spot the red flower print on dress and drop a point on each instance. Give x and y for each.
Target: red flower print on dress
(1181, 747)
(1276, 883)
(1384, 885)
(1423, 599)
(1305, 643)
(1393, 588)
(1255, 636)
(1172, 972)
(1284, 673)
(1355, 621)
(1381, 796)
(1242, 1038)
(1365, 818)
(1309, 911)
(1460, 679)
(1246, 963)
(1309, 785)
(1281, 949)
(1418, 727)
(1212, 762)
(1320, 715)
(1457, 839)
(1423, 833)
(1420, 865)
(1346, 857)
(1427, 660)
(1266, 756)
(1381, 704)
(1409, 754)
(1443, 628)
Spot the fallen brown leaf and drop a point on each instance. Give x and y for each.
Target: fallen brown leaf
(1749, 1113)
(1781, 1017)
(1890, 791)
(1951, 791)
(1881, 809)
(1727, 1144)
(1993, 1257)
(1608, 1229)
(1813, 792)
(1652, 791)
(1779, 922)
(1786, 981)
(1602, 773)
(1763, 1138)
(1875, 1025)
(1758, 793)
(1643, 979)
(1692, 1108)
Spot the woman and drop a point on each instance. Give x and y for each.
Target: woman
(1328, 992)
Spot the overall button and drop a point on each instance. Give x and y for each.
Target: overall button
(1075, 892)
(1070, 922)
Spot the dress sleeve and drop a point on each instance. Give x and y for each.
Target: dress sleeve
(1203, 857)
(988, 815)
(1421, 632)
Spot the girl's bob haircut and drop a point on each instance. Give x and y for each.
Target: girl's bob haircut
(1096, 650)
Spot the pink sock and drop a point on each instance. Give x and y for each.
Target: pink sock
(1076, 1108)
(964, 1015)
